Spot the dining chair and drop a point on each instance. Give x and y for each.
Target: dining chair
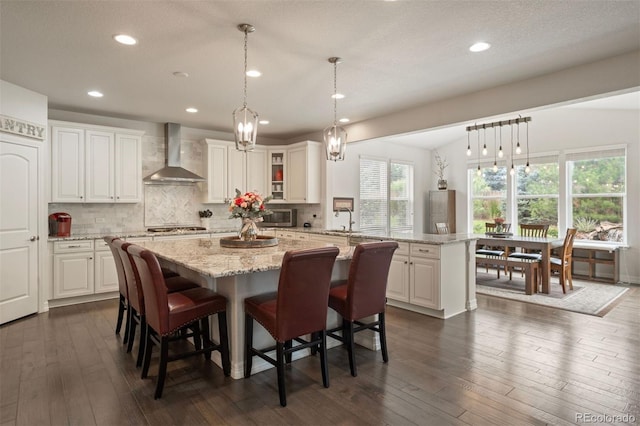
(442, 228)
(562, 264)
(168, 313)
(529, 230)
(363, 295)
(298, 308)
(485, 253)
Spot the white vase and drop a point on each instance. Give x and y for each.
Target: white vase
(205, 221)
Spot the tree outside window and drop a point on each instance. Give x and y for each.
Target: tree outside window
(537, 195)
(488, 195)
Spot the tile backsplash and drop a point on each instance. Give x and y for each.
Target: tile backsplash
(164, 204)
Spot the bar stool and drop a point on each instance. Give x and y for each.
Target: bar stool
(166, 313)
(363, 295)
(299, 307)
(123, 304)
(136, 311)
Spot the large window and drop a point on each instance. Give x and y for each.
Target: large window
(537, 194)
(386, 195)
(597, 190)
(488, 195)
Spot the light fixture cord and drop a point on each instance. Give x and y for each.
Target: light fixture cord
(335, 92)
(246, 36)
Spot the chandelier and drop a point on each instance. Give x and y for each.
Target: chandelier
(499, 153)
(245, 121)
(335, 137)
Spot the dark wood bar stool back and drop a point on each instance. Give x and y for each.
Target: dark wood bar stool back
(167, 313)
(363, 295)
(299, 307)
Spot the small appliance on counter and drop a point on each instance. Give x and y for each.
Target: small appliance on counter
(59, 224)
(280, 218)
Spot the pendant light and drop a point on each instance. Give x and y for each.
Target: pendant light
(468, 143)
(484, 148)
(527, 168)
(335, 137)
(478, 171)
(245, 121)
(513, 169)
(518, 149)
(495, 159)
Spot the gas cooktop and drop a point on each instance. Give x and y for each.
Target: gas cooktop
(176, 229)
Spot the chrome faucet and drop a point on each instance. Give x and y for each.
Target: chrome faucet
(351, 221)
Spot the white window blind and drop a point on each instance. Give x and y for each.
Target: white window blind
(373, 194)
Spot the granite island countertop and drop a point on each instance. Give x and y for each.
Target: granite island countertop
(408, 237)
(208, 258)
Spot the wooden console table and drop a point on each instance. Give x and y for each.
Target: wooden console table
(593, 256)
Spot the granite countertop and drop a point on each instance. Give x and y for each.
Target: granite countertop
(208, 258)
(355, 236)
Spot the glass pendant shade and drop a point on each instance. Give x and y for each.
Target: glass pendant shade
(335, 142)
(245, 125)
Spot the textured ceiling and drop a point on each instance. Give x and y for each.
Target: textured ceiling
(396, 54)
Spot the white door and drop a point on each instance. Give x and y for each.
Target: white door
(18, 231)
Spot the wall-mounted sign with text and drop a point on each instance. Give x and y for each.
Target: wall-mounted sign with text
(22, 128)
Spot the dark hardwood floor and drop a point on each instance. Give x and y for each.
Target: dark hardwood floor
(507, 363)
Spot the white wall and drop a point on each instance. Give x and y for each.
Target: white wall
(556, 131)
(343, 179)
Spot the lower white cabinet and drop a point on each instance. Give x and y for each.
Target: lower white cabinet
(425, 279)
(83, 268)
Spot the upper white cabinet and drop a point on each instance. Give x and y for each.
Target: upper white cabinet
(303, 160)
(228, 169)
(95, 164)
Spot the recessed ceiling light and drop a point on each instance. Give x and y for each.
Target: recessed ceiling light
(253, 73)
(344, 120)
(263, 121)
(337, 96)
(180, 74)
(480, 46)
(95, 94)
(125, 39)
(192, 110)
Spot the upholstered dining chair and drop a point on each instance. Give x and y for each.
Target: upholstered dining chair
(136, 310)
(442, 228)
(298, 308)
(363, 295)
(562, 264)
(167, 313)
(123, 303)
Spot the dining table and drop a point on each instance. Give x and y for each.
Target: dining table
(544, 245)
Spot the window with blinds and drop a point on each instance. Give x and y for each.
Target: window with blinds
(386, 195)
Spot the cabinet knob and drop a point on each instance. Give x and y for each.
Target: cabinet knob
(111, 198)
(405, 262)
(81, 197)
(118, 197)
(91, 258)
(33, 238)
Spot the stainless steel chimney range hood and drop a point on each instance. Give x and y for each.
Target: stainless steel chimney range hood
(172, 173)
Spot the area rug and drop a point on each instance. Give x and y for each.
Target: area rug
(586, 297)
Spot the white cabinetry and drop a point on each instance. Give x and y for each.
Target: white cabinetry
(105, 273)
(329, 239)
(72, 268)
(427, 278)
(414, 275)
(82, 268)
(228, 169)
(95, 164)
(303, 160)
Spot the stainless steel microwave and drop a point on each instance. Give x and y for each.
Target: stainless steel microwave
(281, 218)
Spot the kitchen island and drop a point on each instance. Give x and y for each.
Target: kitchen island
(435, 277)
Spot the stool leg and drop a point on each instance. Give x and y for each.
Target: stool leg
(127, 325)
(383, 336)
(280, 371)
(287, 356)
(323, 358)
(206, 337)
(224, 343)
(143, 340)
(121, 309)
(347, 335)
(248, 344)
(197, 335)
(148, 348)
(162, 370)
(132, 330)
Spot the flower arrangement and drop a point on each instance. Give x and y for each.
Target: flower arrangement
(205, 213)
(498, 220)
(441, 164)
(249, 205)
